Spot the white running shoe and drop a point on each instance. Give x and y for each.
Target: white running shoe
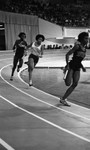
(64, 102)
(30, 83)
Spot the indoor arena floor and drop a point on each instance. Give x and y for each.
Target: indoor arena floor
(31, 118)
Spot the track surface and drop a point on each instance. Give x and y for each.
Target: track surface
(31, 119)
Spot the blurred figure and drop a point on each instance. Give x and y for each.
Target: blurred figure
(19, 48)
(36, 53)
(72, 68)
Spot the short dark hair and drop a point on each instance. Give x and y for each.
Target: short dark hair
(82, 35)
(40, 36)
(21, 33)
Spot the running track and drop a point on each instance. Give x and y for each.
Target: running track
(31, 119)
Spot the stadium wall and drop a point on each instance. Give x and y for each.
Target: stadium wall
(15, 23)
(51, 31)
(56, 34)
(74, 31)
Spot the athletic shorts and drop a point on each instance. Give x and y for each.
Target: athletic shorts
(36, 58)
(76, 66)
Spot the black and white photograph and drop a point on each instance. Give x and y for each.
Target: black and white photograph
(44, 74)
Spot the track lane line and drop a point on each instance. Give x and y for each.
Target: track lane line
(5, 145)
(48, 93)
(66, 111)
(46, 121)
(43, 91)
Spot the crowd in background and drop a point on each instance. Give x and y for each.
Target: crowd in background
(69, 14)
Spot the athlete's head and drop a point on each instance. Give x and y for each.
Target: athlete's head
(22, 35)
(83, 37)
(40, 38)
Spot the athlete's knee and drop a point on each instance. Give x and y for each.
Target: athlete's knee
(14, 67)
(67, 82)
(74, 84)
(30, 67)
(20, 63)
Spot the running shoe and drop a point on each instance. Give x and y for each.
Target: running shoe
(30, 83)
(64, 102)
(11, 78)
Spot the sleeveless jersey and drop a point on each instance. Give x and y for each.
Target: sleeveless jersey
(79, 54)
(77, 58)
(35, 50)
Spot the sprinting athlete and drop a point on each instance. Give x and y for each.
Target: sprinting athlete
(36, 52)
(19, 48)
(74, 66)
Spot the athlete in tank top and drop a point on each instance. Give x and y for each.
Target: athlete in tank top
(78, 56)
(36, 50)
(73, 67)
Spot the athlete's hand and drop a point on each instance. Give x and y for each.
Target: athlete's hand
(21, 45)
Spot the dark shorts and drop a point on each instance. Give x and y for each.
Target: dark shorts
(35, 58)
(76, 66)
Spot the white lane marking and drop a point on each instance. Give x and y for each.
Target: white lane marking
(45, 92)
(6, 51)
(5, 59)
(57, 99)
(41, 100)
(48, 93)
(46, 121)
(4, 144)
(6, 54)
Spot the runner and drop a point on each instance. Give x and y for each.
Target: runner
(73, 67)
(19, 48)
(36, 53)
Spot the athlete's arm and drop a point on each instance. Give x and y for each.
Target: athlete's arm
(71, 52)
(42, 49)
(83, 68)
(27, 49)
